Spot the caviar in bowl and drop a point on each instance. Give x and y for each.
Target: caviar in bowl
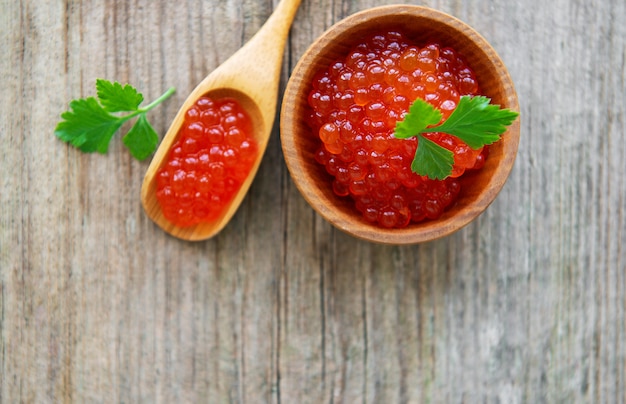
(422, 26)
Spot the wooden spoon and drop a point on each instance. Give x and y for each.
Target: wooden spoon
(251, 76)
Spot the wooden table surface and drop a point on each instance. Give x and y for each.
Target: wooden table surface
(97, 304)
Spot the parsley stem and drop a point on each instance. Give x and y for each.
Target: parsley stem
(159, 100)
(148, 107)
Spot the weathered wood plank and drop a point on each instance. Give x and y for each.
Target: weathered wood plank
(527, 304)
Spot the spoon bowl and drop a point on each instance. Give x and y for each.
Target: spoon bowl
(420, 25)
(251, 77)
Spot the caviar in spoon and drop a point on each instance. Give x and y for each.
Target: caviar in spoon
(208, 164)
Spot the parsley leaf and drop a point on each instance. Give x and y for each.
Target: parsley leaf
(474, 121)
(431, 159)
(90, 124)
(115, 98)
(420, 116)
(141, 139)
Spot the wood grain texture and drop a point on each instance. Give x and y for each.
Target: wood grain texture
(526, 304)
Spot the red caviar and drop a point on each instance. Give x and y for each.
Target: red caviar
(213, 156)
(355, 104)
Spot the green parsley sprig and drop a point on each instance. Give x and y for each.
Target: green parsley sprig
(474, 121)
(91, 123)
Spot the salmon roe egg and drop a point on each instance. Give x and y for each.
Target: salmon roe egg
(209, 162)
(355, 105)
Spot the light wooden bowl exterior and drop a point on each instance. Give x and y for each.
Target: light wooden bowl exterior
(419, 24)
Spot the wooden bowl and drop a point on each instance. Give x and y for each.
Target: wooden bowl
(418, 24)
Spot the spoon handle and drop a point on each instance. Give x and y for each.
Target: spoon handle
(276, 28)
(260, 59)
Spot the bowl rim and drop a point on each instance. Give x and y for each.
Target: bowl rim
(415, 232)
